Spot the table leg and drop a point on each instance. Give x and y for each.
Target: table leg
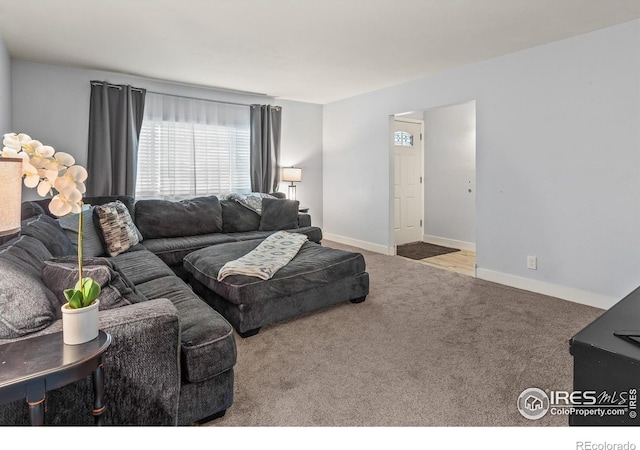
(35, 400)
(97, 377)
(36, 412)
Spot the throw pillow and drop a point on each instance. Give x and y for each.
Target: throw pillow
(237, 218)
(278, 214)
(30, 209)
(118, 279)
(91, 243)
(117, 230)
(252, 201)
(48, 231)
(24, 305)
(165, 219)
(59, 276)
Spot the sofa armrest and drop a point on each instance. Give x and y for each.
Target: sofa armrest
(141, 372)
(304, 220)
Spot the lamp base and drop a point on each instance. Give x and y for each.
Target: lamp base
(292, 192)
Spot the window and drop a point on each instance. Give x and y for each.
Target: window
(403, 138)
(190, 147)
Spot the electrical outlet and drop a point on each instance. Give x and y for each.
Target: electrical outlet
(532, 263)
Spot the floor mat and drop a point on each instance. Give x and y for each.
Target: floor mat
(422, 250)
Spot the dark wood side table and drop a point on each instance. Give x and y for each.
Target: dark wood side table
(31, 367)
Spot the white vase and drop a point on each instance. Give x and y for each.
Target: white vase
(80, 325)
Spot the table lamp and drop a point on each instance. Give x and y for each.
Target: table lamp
(292, 174)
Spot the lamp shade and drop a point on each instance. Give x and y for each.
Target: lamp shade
(11, 198)
(291, 174)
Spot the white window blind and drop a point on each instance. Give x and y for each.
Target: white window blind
(191, 147)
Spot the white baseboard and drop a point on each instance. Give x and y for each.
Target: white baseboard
(553, 290)
(452, 243)
(360, 244)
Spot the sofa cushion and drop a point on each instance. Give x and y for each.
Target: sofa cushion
(24, 305)
(278, 214)
(116, 228)
(165, 219)
(173, 250)
(314, 234)
(208, 344)
(237, 218)
(48, 231)
(115, 291)
(141, 266)
(91, 242)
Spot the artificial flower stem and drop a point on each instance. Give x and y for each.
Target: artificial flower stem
(80, 246)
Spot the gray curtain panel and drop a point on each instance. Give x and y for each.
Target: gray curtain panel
(266, 123)
(115, 119)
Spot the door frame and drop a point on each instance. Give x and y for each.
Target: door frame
(393, 120)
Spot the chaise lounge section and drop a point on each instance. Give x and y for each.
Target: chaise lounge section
(317, 277)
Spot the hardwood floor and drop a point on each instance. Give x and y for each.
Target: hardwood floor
(462, 262)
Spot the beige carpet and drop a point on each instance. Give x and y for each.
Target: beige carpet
(427, 348)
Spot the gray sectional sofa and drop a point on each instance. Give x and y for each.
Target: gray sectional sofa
(172, 356)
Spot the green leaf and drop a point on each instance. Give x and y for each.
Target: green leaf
(68, 293)
(90, 291)
(84, 293)
(75, 301)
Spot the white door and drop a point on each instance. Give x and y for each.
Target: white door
(408, 181)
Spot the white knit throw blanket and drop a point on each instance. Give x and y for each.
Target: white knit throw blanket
(267, 258)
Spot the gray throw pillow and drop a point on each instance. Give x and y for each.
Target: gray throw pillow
(59, 276)
(48, 231)
(91, 243)
(278, 214)
(117, 230)
(30, 209)
(24, 306)
(237, 218)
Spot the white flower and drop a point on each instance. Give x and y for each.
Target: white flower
(76, 176)
(47, 170)
(67, 201)
(16, 141)
(65, 159)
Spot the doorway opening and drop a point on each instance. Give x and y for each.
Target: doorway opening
(445, 207)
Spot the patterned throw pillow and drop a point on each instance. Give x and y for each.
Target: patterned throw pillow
(118, 231)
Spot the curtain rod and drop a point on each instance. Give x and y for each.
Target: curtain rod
(116, 86)
(201, 99)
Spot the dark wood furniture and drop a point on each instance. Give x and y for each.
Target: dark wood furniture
(605, 362)
(30, 368)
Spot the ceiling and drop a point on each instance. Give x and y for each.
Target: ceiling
(315, 51)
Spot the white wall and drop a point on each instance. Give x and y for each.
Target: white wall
(450, 175)
(51, 103)
(301, 146)
(5, 90)
(558, 165)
